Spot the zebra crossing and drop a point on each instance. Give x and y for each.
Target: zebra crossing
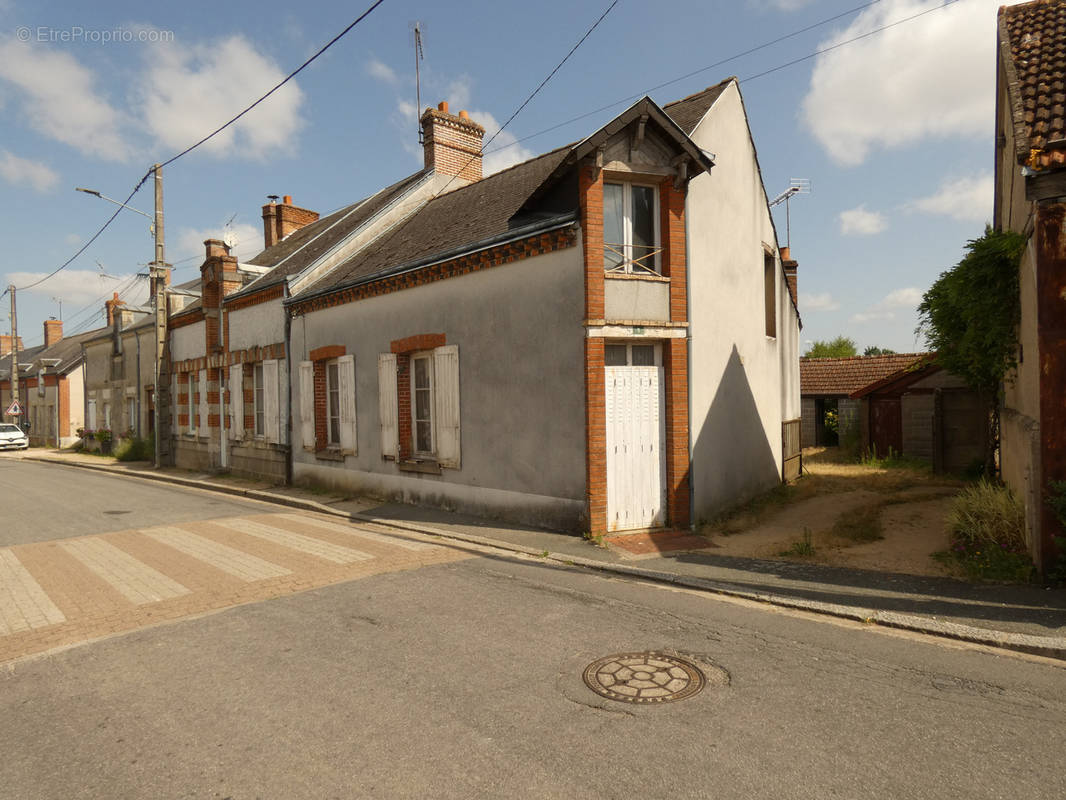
(61, 592)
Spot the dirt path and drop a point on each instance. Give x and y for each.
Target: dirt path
(909, 503)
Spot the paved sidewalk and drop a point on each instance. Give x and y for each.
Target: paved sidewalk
(1025, 618)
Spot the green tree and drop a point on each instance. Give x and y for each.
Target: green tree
(840, 347)
(970, 318)
(874, 350)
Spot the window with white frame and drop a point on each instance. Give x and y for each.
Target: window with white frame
(191, 409)
(257, 399)
(131, 413)
(631, 228)
(422, 405)
(333, 404)
(430, 401)
(107, 416)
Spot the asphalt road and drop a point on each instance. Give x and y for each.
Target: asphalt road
(464, 680)
(40, 502)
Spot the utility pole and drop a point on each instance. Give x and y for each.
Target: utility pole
(158, 270)
(14, 353)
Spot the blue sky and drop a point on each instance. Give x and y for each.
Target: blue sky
(894, 131)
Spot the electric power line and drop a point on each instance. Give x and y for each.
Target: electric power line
(285, 80)
(192, 147)
(749, 51)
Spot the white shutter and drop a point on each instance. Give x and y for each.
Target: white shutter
(92, 416)
(201, 386)
(446, 402)
(346, 379)
(387, 405)
(284, 422)
(271, 420)
(236, 401)
(307, 404)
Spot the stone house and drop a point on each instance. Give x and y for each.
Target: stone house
(1030, 187)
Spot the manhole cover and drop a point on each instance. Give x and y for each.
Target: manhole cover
(644, 677)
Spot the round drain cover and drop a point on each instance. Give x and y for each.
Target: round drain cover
(644, 677)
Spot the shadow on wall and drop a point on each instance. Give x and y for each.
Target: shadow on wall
(732, 458)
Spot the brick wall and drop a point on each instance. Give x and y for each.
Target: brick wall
(596, 434)
(675, 376)
(452, 144)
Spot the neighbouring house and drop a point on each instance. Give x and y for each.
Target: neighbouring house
(1030, 198)
(827, 386)
(51, 386)
(603, 337)
(901, 403)
(119, 371)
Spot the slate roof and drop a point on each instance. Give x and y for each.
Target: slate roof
(67, 350)
(845, 376)
(1032, 41)
(301, 248)
(461, 217)
(688, 111)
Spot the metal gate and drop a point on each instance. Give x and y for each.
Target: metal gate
(636, 465)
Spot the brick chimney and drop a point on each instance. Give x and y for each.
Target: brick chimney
(53, 331)
(452, 144)
(110, 306)
(218, 278)
(791, 268)
(281, 219)
(6, 345)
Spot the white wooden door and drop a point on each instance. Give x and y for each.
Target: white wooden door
(636, 465)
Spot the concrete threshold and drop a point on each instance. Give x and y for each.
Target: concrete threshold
(1047, 646)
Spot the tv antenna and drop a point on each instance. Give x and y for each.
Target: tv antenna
(60, 301)
(419, 57)
(795, 186)
(229, 236)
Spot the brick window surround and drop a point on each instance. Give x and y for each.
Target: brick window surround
(675, 351)
(404, 348)
(320, 356)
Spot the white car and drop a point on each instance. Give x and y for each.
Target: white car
(12, 437)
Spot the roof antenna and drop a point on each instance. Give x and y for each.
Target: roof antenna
(796, 186)
(417, 27)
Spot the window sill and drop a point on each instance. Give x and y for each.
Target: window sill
(329, 455)
(428, 467)
(635, 276)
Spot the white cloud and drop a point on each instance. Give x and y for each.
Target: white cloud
(964, 199)
(59, 100)
(189, 91)
(80, 286)
(503, 152)
(19, 171)
(817, 302)
(906, 298)
(932, 77)
(245, 240)
(860, 222)
(73, 239)
(382, 72)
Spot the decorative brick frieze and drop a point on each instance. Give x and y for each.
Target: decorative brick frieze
(184, 319)
(255, 298)
(327, 352)
(529, 247)
(222, 360)
(422, 341)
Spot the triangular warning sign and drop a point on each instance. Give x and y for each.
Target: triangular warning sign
(15, 409)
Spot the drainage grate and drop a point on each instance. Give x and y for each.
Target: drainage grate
(649, 677)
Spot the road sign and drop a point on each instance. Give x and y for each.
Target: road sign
(15, 409)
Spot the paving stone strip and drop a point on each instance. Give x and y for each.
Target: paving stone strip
(296, 541)
(228, 559)
(23, 603)
(63, 592)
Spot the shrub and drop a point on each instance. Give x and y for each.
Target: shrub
(987, 524)
(136, 448)
(103, 435)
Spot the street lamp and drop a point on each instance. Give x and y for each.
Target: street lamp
(157, 271)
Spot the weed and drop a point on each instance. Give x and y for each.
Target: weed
(987, 524)
(861, 524)
(804, 547)
(892, 460)
(544, 553)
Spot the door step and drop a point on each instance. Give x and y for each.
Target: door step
(646, 543)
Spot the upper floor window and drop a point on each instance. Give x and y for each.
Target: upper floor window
(769, 277)
(631, 228)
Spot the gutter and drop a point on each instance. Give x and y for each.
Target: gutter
(541, 226)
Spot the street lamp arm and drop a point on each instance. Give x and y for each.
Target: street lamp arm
(95, 193)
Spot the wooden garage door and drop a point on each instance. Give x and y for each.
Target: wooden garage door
(886, 425)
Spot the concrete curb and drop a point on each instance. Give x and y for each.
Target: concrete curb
(1048, 646)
